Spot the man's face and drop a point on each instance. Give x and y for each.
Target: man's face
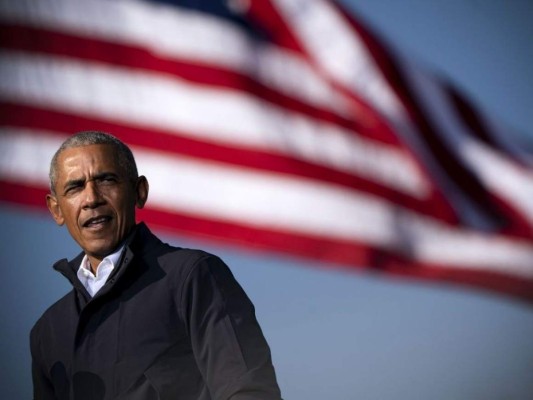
(95, 199)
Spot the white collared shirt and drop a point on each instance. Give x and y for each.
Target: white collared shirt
(93, 283)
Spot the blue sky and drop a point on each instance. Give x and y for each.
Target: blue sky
(337, 334)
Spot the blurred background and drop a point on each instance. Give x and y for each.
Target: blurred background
(335, 333)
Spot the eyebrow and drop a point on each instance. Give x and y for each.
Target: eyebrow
(81, 181)
(103, 175)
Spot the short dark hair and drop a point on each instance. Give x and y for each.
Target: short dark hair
(87, 138)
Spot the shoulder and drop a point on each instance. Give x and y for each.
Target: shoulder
(185, 261)
(182, 264)
(149, 246)
(196, 269)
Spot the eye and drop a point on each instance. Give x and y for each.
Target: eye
(71, 189)
(107, 180)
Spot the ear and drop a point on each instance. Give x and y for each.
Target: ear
(55, 210)
(141, 190)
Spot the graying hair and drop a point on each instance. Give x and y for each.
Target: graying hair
(125, 157)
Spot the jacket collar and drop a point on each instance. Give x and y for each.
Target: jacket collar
(135, 245)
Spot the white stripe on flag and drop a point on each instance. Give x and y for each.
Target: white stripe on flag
(512, 182)
(25, 155)
(332, 44)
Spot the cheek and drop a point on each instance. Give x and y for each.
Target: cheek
(124, 207)
(71, 220)
(68, 212)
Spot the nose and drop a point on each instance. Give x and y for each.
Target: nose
(92, 196)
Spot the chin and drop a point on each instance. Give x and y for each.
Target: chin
(101, 250)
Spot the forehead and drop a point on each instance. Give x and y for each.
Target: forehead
(88, 159)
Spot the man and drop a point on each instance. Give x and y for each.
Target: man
(144, 320)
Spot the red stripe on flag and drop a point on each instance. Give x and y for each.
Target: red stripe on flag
(345, 254)
(23, 194)
(265, 16)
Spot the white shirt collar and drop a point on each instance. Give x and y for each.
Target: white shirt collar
(94, 282)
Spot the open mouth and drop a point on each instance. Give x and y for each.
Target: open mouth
(96, 222)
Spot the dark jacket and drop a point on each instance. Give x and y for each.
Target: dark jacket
(170, 323)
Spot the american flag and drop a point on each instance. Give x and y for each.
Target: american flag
(284, 125)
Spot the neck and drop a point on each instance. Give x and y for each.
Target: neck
(94, 262)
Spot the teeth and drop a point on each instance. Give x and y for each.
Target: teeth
(96, 221)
